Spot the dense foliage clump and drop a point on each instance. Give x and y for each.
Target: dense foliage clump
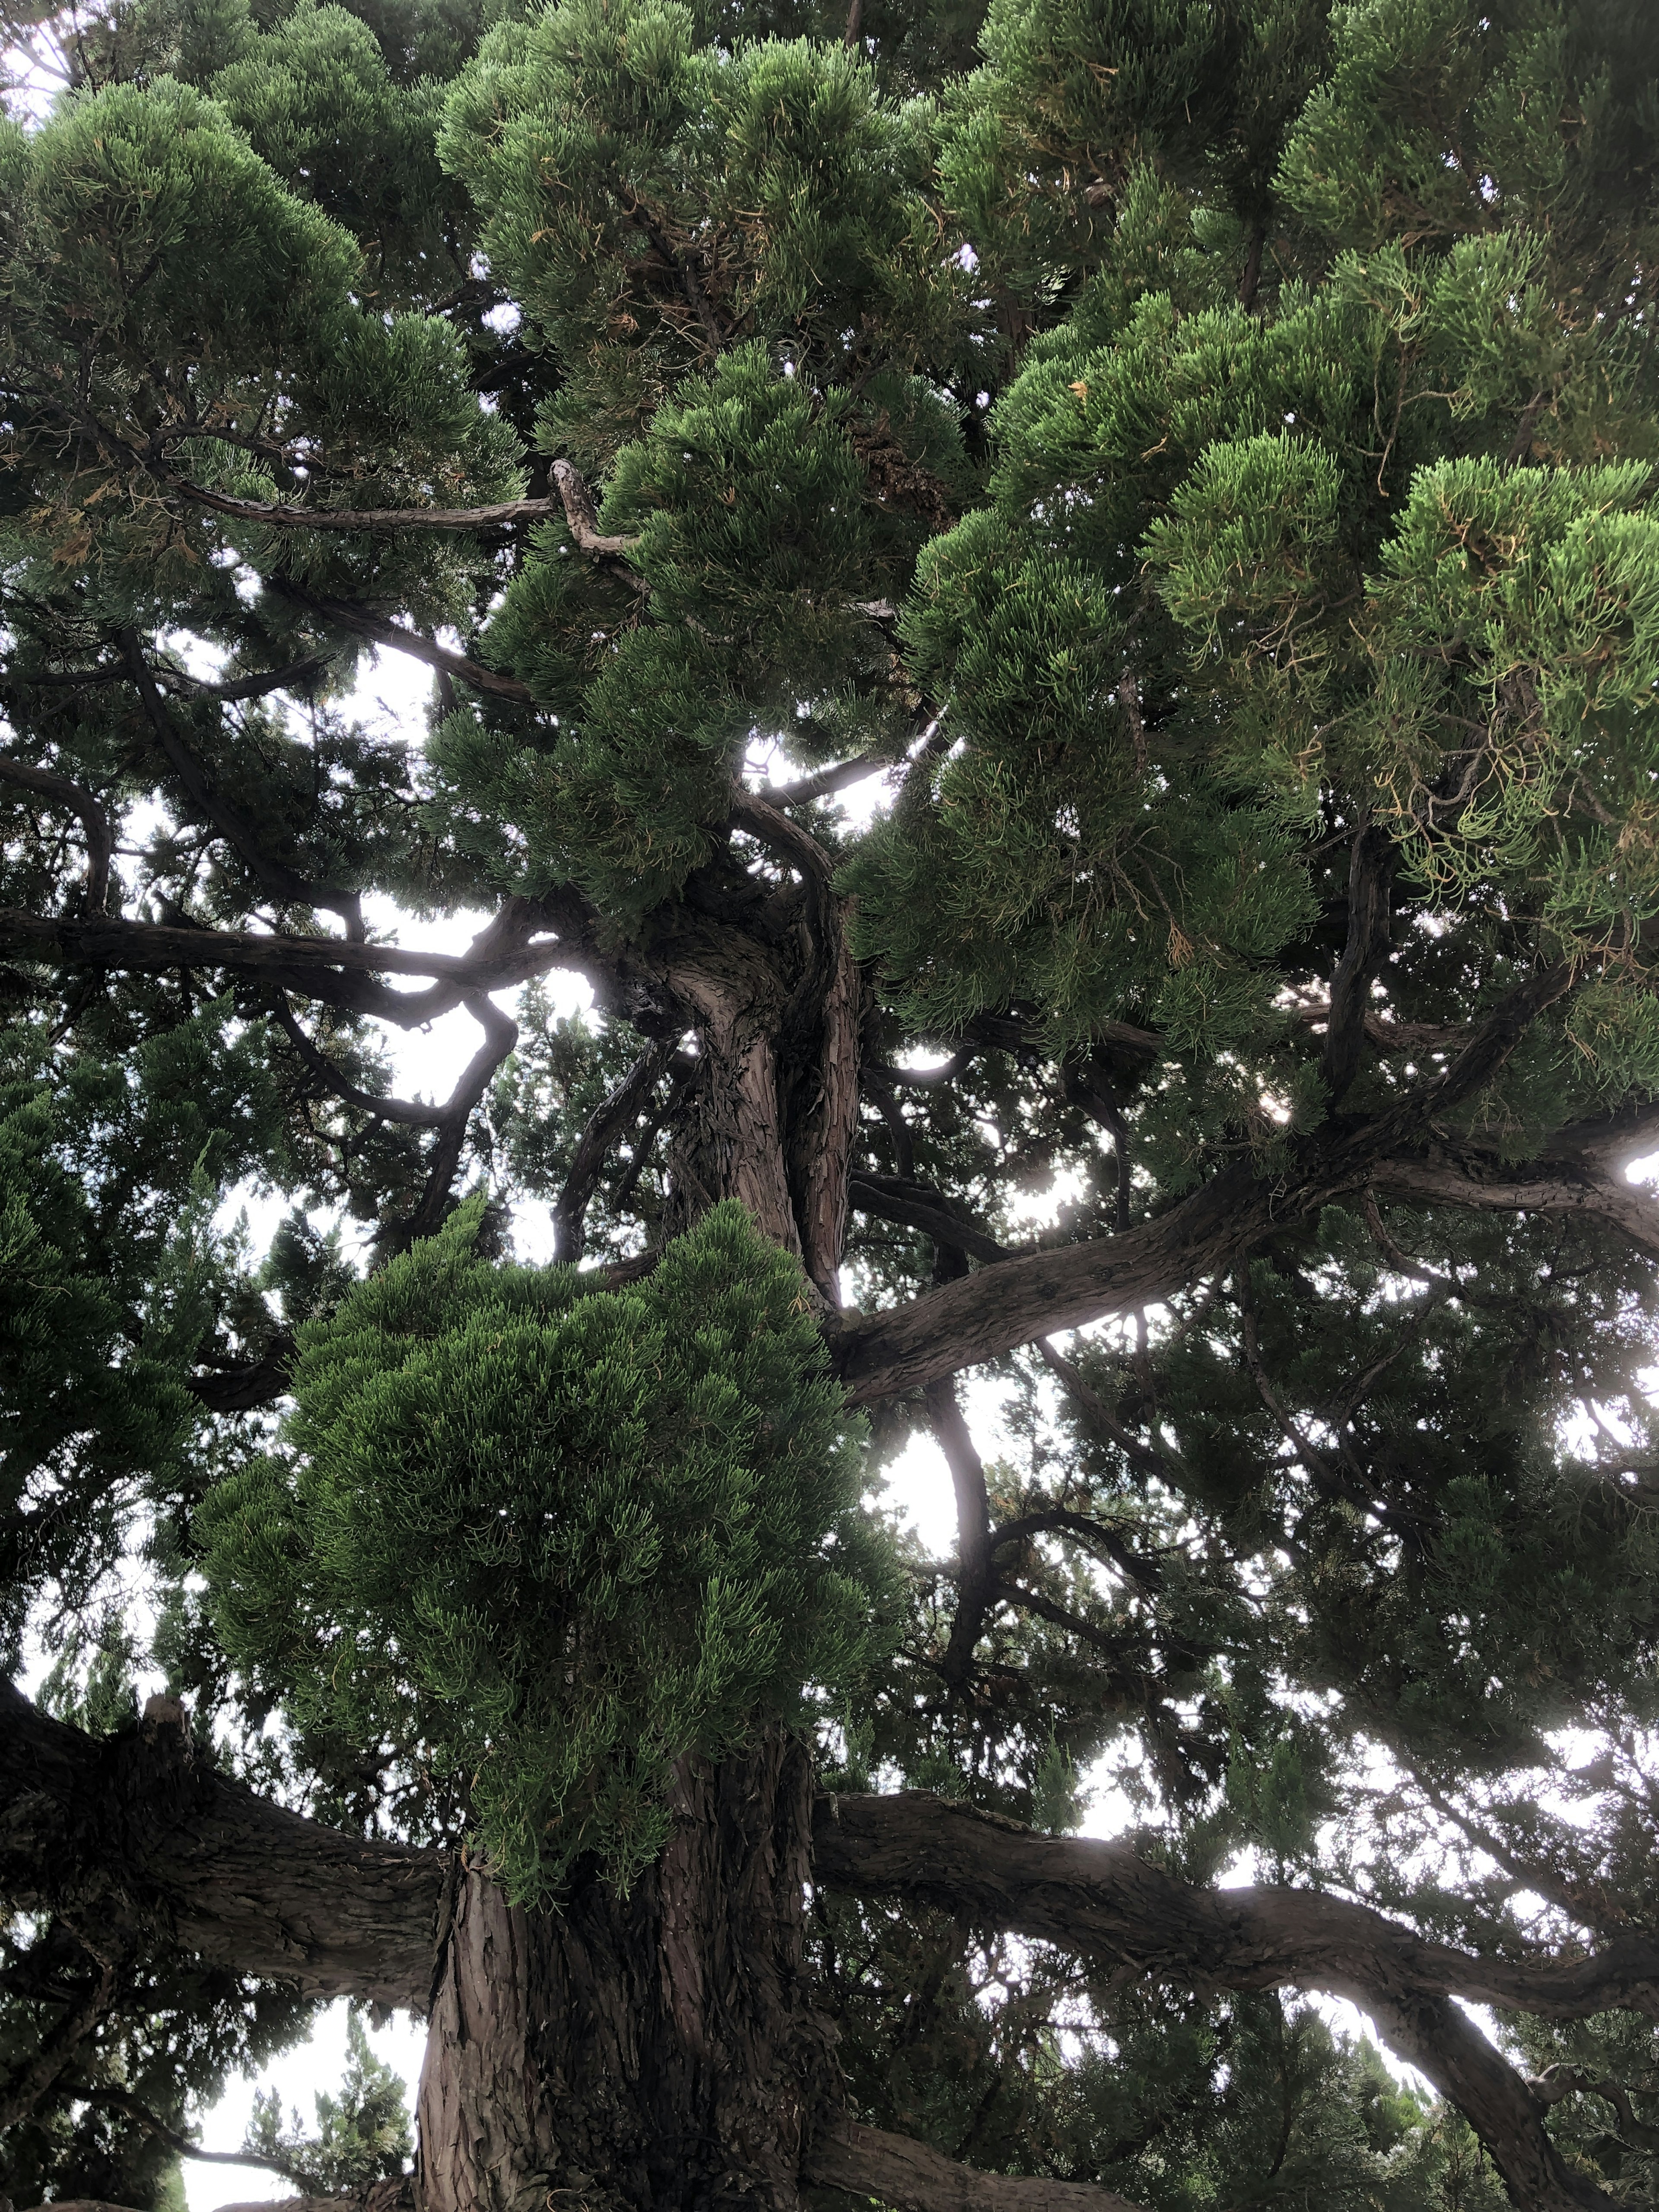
(552, 1537)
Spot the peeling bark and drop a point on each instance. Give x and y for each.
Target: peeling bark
(653, 2050)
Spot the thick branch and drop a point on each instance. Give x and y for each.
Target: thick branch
(1559, 1186)
(147, 948)
(1036, 1292)
(896, 2170)
(141, 1835)
(1101, 1902)
(45, 783)
(121, 2101)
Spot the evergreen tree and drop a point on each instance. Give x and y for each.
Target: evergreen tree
(1193, 461)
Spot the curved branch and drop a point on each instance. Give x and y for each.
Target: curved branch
(293, 673)
(404, 1111)
(928, 1213)
(976, 1586)
(361, 622)
(501, 1035)
(94, 822)
(1101, 1902)
(139, 1831)
(583, 518)
(896, 2170)
(121, 2101)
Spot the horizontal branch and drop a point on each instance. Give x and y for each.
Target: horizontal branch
(140, 1834)
(1560, 1186)
(383, 519)
(290, 675)
(896, 2170)
(147, 947)
(1101, 1902)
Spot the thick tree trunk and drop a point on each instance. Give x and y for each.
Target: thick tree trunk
(655, 2051)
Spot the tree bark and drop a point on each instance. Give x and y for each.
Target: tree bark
(643, 2052)
(1101, 1901)
(140, 1837)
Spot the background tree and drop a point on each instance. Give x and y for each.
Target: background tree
(1197, 459)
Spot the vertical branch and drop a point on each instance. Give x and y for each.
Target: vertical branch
(974, 1581)
(1370, 879)
(604, 1126)
(501, 1035)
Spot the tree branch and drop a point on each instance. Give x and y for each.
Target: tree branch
(603, 1126)
(1371, 880)
(501, 1035)
(1034, 1293)
(974, 1576)
(1099, 1901)
(361, 622)
(147, 947)
(896, 2170)
(1546, 1186)
(582, 518)
(377, 518)
(94, 822)
(929, 1214)
(404, 1111)
(273, 876)
(121, 2101)
(139, 1832)
(293, 673)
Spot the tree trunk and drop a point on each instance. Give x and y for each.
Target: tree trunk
(648, 2052)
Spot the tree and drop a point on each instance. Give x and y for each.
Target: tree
(1197, 459)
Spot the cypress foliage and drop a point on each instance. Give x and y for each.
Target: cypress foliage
(1198, 457)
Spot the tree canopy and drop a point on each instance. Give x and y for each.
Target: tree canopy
(1057, 606)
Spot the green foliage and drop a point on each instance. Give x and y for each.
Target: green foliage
(561, 1537)
(362, 2134)
(1178, 435)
